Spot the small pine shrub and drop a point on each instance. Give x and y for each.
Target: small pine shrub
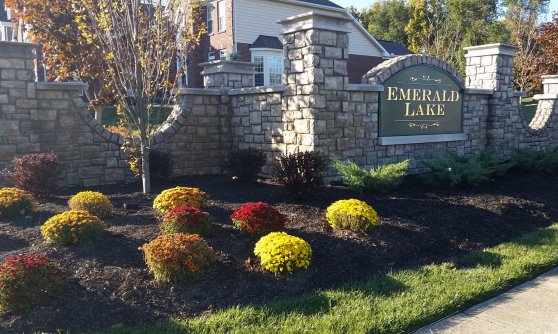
(351, 214)
(28, 280)
(258, 219)
(464, 170)
(72, 227)
(35, 173)
(179, 196)
(185, 219)
(178, 257)
(93, 202)
(535, 161)
(302, 172)
(16, 202)
(382, 178)
(283, 253)
(246, 164)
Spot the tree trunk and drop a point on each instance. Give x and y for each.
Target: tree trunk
(99, 113)
(145, 173)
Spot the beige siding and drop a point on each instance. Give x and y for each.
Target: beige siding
(259, 17)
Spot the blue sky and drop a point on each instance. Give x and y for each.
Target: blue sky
(365, 3)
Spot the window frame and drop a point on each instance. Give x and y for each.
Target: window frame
(267, 55)
(221, 26)
(209, 18)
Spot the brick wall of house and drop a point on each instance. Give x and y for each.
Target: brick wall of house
(358, 66)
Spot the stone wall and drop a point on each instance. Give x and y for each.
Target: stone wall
(315, 110)
(51, 117)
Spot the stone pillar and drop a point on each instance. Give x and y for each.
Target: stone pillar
(18, 106)
(550, 84)
(316, 53)
(490, 67)
(228, 74)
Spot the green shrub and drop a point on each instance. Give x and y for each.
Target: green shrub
(464, 170)
(246, 164)
(383, 178)
(535, 161)
(302, 172)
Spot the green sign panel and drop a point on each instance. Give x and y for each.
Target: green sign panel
(421, 100)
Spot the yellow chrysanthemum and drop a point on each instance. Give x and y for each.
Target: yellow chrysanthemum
(281, 252)
(351, 214)
(93, 202)
(16, 202)
(72, 227)
(179, 196)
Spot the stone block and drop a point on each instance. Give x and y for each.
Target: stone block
(9, 128)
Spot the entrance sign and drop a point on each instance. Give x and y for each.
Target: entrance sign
(421, 100)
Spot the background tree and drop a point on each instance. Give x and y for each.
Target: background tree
(384, 19)
(67, 54)
(442, 28)
(522, 17)
(139, 41)
(546, 59)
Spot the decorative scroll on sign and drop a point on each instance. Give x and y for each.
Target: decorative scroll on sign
(421, 100)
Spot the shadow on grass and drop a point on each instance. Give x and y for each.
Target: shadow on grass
(476, 259)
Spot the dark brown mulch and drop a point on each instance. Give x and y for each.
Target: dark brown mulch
(109, 283)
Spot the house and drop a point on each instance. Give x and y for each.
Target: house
(5, 24)
(248, 30)
(395, 49)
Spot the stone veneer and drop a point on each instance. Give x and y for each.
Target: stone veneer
(315, 109)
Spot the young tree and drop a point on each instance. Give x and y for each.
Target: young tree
(68, 55)
(139, 41)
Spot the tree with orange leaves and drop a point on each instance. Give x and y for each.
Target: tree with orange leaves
(68, 54)
(547, 58)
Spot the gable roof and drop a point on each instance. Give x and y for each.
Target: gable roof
(267, 42)
(326, 3)
(395, 48)
(3, 13)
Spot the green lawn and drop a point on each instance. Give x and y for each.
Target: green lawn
(110, 117)
(529, 108)
(397, 302)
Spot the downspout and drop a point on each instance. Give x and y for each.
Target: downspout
(234, 26)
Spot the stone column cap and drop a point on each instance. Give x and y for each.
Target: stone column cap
(19, 50)
(550, 79)
(491, 50)
(314, 20)
(228, 66)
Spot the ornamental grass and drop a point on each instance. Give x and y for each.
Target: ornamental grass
(28, 280)
(280, 252)
(93, 202)
(185, 219)
(179, 196)
(72, 227)
(351, 214)
(16, 202)
(178, 257)
(258, 219)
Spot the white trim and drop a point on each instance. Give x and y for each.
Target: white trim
(491, 50)
(224, 27)
(265, 49)
(401, 140)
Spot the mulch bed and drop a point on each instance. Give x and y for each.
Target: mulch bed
(110, 285)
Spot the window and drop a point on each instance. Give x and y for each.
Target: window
(223, 54)
(209, 19)
(211, 55)
(221, 12)
(259, 79)
(269, 67)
